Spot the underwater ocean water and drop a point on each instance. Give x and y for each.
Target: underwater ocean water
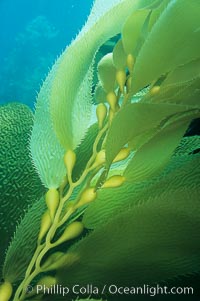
(33, 34)
(99, 150)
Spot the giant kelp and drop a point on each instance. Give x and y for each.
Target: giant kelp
(115, 215)
(140, 239)
(20, 185)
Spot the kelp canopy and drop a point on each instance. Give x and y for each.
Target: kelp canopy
(122, 203)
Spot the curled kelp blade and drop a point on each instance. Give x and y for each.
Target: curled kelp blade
(145, 244)
(46, 151)
(64, 102)
(20, 185)
(65, 97)
(70, 99)
(159, 54)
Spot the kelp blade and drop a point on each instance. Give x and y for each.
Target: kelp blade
(170, 43)
(145, 244)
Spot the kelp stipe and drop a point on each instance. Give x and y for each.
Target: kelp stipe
(116, 193)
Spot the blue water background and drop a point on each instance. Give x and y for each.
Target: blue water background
(32, 34)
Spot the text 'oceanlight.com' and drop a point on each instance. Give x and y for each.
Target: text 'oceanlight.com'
(112, 289)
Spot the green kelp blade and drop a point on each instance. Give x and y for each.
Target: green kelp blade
(84, 151)
(178, 94)
(70, 91)
(19, 182)
(155, 153)
(119, 56)
(131, 31)
(78, 111)
(25, 239)
(145, 244)
(107, 72)
(155, 14)
(133, 120)
(183, 74)
(46, 152)
(100, 94)
(136, 27)
(180, 86)
(138, 141)
(170, 43)
(183, 169)
(190, 92)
